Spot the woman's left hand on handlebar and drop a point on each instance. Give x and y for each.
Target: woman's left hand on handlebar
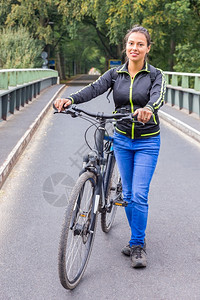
(61, 103)
(143, 114)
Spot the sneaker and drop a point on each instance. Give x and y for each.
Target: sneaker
(126, 250)
(138, 256)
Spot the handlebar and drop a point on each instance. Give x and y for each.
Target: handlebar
(75, 111)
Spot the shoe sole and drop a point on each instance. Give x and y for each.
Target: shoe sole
(139, 265)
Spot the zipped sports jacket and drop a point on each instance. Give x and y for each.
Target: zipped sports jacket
(146, 89)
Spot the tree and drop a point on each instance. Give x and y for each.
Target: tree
(82, 52)
(18, 49)
(169, 22)
(92, 14)
(42, 20)
(60, 25)
(187, 53)
(5, 9)
(187, 58)
(166, 21)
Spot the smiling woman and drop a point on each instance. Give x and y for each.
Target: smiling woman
(138, 88)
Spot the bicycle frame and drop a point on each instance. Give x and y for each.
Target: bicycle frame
(95, 164)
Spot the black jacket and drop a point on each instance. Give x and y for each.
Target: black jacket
(131, 93)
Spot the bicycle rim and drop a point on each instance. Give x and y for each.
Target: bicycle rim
(76, 239)
(108, 216)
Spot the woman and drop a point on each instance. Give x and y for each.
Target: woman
(138, 88)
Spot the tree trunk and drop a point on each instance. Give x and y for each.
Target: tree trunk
(172, 51)
(119, 50)
(60, 64)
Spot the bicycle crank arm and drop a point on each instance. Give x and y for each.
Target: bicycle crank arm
(119, 202)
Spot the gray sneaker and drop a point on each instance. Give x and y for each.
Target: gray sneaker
(126, 250)
(138, 256)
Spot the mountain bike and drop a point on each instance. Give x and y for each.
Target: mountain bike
(98, 190)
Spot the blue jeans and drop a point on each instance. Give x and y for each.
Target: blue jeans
(136, 160)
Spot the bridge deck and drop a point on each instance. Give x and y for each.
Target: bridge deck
(31, 214)
(12, 131)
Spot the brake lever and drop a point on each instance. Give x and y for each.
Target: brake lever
(131, 118)
(68, 110)
(56, 110)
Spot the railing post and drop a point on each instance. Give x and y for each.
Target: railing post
(166, 95)
(18, 99)
(197, 83)
(180, 99)
(190, 103)
(39, 87)
(3, 80)
(12, 80)
(27, 93)
(12, 101)
(35, 90)
(19, 78)
(172, 97)
(174, 80)
(4, 106)
(23, 96)
(185, 81)
(167, 78)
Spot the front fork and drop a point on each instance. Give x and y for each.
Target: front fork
(98, 200)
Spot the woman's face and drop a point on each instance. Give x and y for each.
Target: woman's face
(136, 47)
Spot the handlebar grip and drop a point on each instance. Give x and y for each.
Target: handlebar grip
(54, 107)
(62, 107)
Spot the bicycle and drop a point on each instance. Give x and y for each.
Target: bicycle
(97, 190)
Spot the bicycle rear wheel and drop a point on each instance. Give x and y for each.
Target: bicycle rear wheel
(77, 234)
(112, 179)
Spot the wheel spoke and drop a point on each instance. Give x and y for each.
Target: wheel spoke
(74, 251)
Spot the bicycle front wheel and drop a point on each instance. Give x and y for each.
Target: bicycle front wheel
(77, 232)
(112, 179)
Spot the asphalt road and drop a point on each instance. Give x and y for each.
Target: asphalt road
(32, 208)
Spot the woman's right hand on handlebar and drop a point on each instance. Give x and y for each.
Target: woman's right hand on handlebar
(61, 103)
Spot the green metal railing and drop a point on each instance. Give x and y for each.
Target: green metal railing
(14, 77)
(184, 80)
(183, 91)
(19, 86)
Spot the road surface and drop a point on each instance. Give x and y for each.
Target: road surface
(32, 208)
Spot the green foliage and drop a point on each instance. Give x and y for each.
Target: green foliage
(187, 59)
(35, 15)
(170, 23)
(99, 28)
(18, 49)
(83, 51)
(5, 9)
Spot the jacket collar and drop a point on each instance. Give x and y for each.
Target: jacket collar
(124, 68)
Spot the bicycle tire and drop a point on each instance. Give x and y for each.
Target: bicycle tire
(74, 235)
(112, 178)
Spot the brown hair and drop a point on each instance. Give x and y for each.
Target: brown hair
(138, 28)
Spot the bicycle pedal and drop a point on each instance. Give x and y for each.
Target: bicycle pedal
(120, 203)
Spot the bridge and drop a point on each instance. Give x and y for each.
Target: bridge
(38, 149)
